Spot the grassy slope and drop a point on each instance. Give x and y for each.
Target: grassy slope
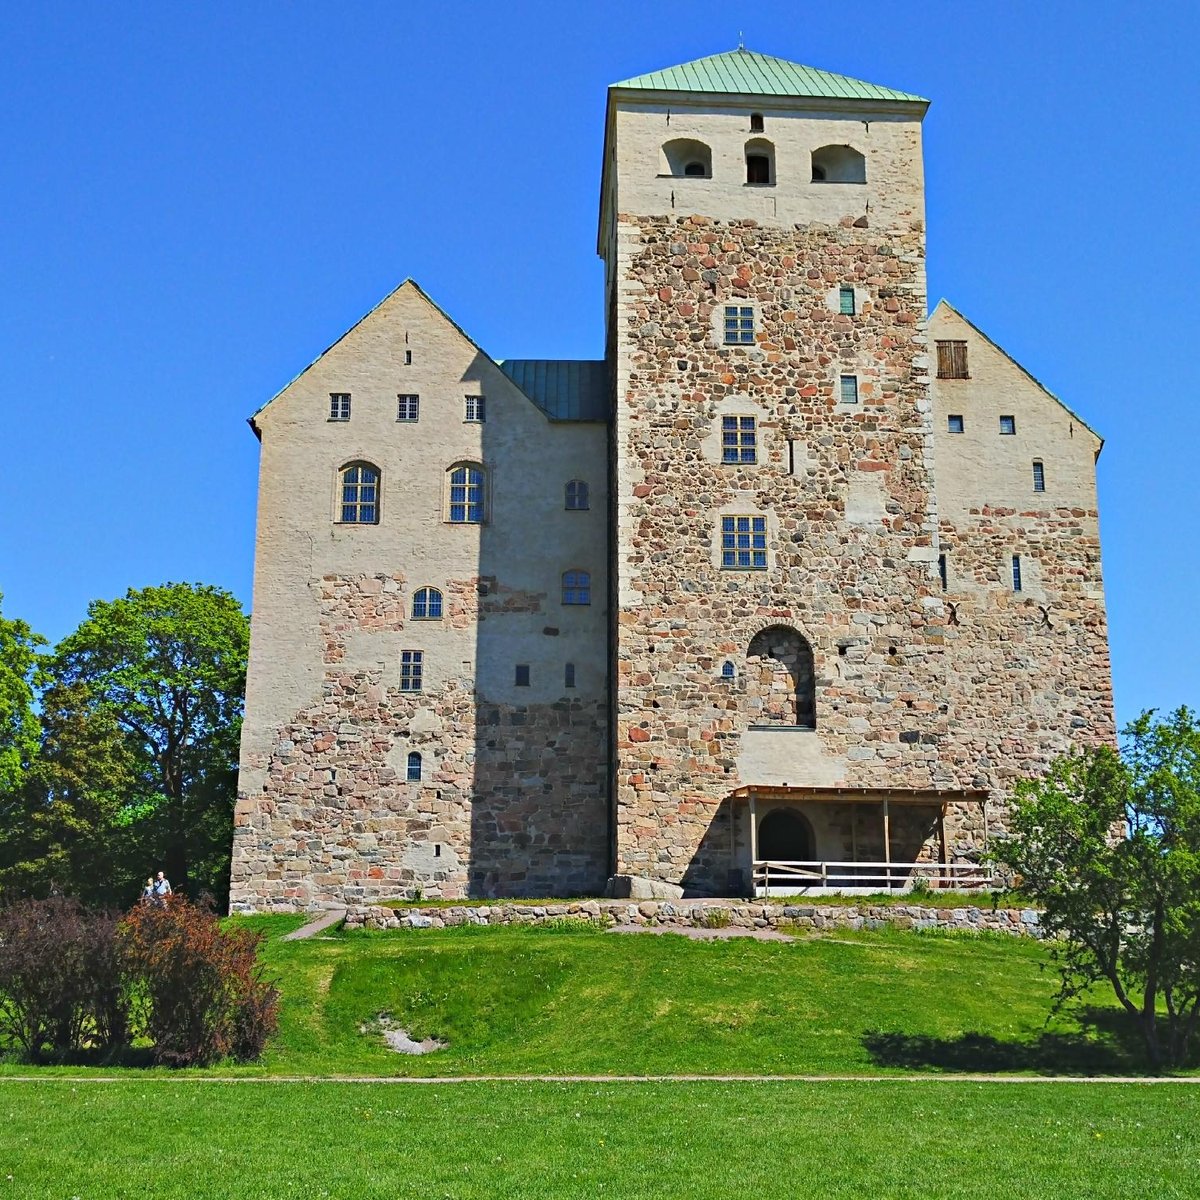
(931, 1140)
(555, 1002)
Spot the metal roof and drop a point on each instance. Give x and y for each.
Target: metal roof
(746, 73)
(564, 389)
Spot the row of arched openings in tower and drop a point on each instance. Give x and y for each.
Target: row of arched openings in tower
(829, 164)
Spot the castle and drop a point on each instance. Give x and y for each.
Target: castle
(786, 591)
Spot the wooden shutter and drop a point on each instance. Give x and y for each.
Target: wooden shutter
(952, 360)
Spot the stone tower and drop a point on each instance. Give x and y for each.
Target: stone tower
(785, 685)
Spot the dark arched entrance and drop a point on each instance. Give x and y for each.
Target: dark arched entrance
(785, 835)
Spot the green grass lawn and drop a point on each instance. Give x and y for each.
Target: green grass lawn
(267, 1141)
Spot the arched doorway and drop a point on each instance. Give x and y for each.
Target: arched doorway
(785, 835)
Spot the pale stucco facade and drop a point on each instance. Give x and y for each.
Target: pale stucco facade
(647, 732)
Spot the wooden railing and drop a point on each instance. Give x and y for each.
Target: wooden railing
(771, 873)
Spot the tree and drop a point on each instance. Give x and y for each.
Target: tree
(1110, 846)
(166, 666)
(19, 666)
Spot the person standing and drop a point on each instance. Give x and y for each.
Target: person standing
(148, 890)
(162, 888)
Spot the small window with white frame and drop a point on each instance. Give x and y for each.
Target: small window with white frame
(577, 495)
(408, 408)
(848, 389)
(744, 543)
(739, 440)
(739, 325)
(414, 767)
(466, 494)
(427, 604)
(1039, 475)
(339, 406)
(475, 409)
(412, 667)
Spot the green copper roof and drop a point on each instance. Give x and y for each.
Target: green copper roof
(565, 390)
(745, 73)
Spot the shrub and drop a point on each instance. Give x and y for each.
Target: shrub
(63, 983)
(203, 988)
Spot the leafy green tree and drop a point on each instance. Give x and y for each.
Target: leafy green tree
(166, 668)
(20, 659)
(1110, 846)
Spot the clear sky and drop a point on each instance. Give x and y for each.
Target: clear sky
(201, 197)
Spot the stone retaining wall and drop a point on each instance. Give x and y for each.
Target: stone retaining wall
(706, 914)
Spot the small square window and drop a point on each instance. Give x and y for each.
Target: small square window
(739, 325)
(738, 440)
(411, 667)
(1008, 424)
(849, 389)
(339, 406)
(744, 543)
(408, 408)
(846, 304)
(954, 423)
(522, 678)
(475, 409)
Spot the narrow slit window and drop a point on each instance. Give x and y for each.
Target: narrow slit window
(408, 408)
(744, 543)
(943, 575)
(408, 358)
(522, 675)
(954, 423)
(739, 440)
(576, 587)
(739, 325)
(414, 767)
(339, 406)
(569, 675)
(1008, 425)
(1016, 572)
(412, 663)
(1039, 476)
(475, 410)
(846, 305)
(849, 389)
(791, 456)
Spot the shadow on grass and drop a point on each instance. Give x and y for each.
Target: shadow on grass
(1108, 1043)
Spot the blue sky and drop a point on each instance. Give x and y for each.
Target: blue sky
(202, 197)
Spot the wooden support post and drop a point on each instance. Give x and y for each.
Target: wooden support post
(753, 845)
(942, 852)
(887, 842)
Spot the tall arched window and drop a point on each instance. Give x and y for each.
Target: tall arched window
(576, 587)
(760, 161)
(360, 494)
(414, 767)
(466, 498)
(838, 164)
(577, 495)
(686, 156)
(427, 604)
(780, 678)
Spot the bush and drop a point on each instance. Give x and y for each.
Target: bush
(203, 989)
(63, 984)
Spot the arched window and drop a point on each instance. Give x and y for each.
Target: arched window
(414, 767)
(466, 498)
(760, 161)
(838, 164)
(686, 156)
(728, 670)
(577, 495)
(427, 604)
(780, 678)
(785, 835)
(756, 122)
(576, 587)
(360, 494)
